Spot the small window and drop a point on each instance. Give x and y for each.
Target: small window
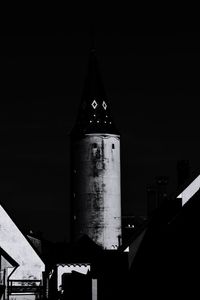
(113, 146)
(94, 145)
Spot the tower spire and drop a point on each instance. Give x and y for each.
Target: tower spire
(92, 39)
(94, 113)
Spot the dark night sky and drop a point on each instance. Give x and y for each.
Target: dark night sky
(151, 75)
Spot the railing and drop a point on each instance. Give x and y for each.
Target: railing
(27, 287)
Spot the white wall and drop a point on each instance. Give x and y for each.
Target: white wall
(16, 245)
(97, 197)
(190, 190)
(83, 269)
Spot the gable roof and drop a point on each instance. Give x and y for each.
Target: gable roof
(8, 258)
(17, 246)
(23, 232)
(192, 183)
(80, 251)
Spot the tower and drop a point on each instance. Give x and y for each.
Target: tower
(95, 166)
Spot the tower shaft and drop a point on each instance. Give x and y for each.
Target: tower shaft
(97, 200)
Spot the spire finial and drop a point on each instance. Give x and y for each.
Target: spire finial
(92, 38)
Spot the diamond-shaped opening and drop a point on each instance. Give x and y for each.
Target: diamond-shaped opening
(94, 104)
(104, 105)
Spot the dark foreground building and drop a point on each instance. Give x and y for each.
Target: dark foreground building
(167, 262)
(160, 260)
(84, 269)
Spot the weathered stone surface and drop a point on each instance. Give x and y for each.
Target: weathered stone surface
(97, 201)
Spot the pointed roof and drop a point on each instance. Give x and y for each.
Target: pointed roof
(8, 258)
(17, 246)
(94, 113)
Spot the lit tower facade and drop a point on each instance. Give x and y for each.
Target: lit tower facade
(95, 162)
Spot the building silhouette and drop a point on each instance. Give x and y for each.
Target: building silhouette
(157, 194)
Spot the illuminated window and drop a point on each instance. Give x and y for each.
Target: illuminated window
(98, 121)
(104, 105)
(94, 104)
